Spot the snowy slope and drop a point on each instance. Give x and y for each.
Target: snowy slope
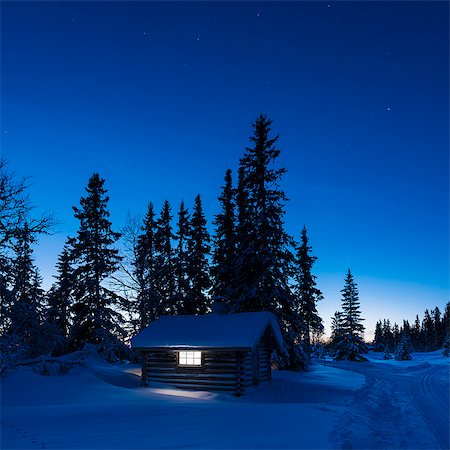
(348, 405)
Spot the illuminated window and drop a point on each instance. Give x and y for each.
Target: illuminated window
(189, 358)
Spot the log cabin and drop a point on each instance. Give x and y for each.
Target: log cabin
(213, 352)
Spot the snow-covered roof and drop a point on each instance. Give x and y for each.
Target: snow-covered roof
(242, 330)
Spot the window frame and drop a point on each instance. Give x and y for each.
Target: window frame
(190, 366)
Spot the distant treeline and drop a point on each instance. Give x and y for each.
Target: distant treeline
(425, 335)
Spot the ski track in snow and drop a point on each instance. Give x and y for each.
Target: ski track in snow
(398, 407)
(430, 394)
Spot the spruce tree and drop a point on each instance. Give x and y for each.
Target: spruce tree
(60, 297)
(181, 259)
(446, 346)
(16, 218)
(244, 265)
(351, 345)
(378, 337)
(427, 331)
(197, 301)
(264, 246)
(446, 329)
(438, 332)
(96, 316)
(446, 319)
(224, 250)
(404, 348)
(23, 265)
(416, 334)
(406, 327)
(25, 337)
(387, 335)
(336, 326)
(306, 292)
(45, 338)
(264, 261)
(6, 295)
(395, 334)
(144, 265)
(25, 309)
(165, 274)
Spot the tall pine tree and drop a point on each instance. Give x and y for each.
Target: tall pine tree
(427, 331)
(264, 257)
(438, 331)
(60, 296)
(378, 340)
(264, 262)
(165, 274)
(24, 337)
(404, 348)
(144, 271)
(181, 263)
(243, 266)
(336, 326)
(96, 316)
(197, 300)
(350, 345)
(306, 292)
(224, 252)
(446, 322)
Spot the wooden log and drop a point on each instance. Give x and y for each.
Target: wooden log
(238, 375)
(192, 375)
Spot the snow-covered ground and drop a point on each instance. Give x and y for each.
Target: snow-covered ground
(336, 405)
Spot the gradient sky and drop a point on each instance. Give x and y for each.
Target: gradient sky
(159, 98)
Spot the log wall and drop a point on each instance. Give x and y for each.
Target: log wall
(220, 370)
(264, 361)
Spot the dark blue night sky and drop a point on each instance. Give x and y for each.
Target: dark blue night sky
(159, 98)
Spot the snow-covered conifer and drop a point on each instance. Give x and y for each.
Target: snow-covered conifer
(438, 331)
(404, 348)
(416, 337)
(224, 248)
(350, 344)
(378, 341)
(197, 300)
(446, 346)
(263, 265)
(24, 314)
(336, 325)
(306, 292)
(144, 270)
(181, 258)
(165, 274)
(427, 331)
(96, 316)
(264, 259)
(60, 296)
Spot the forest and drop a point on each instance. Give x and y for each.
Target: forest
(110, 283)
